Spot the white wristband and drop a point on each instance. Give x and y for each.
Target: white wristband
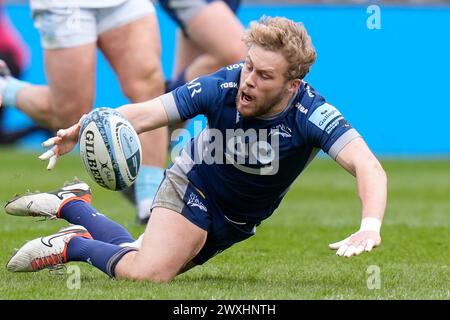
(370, 224)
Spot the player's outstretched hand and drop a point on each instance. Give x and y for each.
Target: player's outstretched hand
(64, 142)
(357, 243)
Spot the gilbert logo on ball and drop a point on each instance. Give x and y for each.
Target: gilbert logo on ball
(110, 149)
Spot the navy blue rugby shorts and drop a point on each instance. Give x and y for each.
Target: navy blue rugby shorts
(177, 193)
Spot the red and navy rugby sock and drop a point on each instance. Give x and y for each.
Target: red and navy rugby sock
(101, 255)
(99, 226)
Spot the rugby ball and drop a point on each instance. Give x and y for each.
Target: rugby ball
(110, 149)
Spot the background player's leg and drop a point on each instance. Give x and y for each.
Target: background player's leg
(70, 92)
(170, 242)
(208, 47)
(71, 78)
(221, 46)
(186, 51)
(134, 52)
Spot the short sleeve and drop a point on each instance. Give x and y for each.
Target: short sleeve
(329, 130)
(199, 96)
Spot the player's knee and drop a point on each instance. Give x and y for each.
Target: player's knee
(235, 52)
(69, 114)
(233, 56)
(147, 81)
(44, 103)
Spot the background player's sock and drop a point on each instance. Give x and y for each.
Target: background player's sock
(100, 227)
(9, 88)
(102, 255)
(147, 184)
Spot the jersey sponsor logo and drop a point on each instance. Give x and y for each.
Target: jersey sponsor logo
(301, 108)
(324, 115)
(308, 90)
(333, 125)
(194, 201)
(268, 170)
(251, 146)
(228, 85)
(194, 87)
(251, 151)
(235, 66)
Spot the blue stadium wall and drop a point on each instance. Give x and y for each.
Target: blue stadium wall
(392, 84)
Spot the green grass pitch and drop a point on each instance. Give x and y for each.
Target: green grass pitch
(289, 256)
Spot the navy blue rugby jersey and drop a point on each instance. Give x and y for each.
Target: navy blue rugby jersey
(245, 166)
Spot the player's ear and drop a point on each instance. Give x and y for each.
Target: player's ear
(295, 84)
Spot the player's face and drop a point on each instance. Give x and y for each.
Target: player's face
(264, 89)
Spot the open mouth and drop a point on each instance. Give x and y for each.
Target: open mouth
(246, 98)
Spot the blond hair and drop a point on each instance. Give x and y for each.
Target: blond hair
(282, 34)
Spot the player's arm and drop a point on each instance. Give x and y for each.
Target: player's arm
(185, 102)
(357, 159)
(143, 116)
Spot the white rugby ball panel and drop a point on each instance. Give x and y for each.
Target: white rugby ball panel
(129, 145)
(110, 149)
(96, 158)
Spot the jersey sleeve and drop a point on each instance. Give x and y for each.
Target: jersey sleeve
(199, 96)
(328, 130)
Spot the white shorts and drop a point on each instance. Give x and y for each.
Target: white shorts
(71, 27)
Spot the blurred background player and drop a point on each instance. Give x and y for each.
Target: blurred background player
(202, 45)
(14, 54)
(208, 38)
(127, 33)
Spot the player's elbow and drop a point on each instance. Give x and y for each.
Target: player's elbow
(380, 170)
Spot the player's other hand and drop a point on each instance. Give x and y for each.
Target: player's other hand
(357, 243)
(64, 142)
